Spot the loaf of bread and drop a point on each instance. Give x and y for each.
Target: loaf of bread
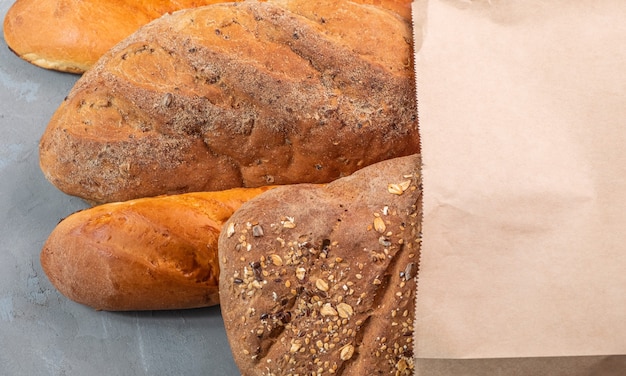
(322, 279)
(145, 254)
(71, 35)
(237, 95)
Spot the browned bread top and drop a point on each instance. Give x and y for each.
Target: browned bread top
(237, 94)
(317, 279)
(145, 254)
(71, 35)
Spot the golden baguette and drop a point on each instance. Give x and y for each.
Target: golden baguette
(145, 254)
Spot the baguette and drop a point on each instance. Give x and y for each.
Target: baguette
(237, 95)
(145, 254)
(322, 279)
(71, 35)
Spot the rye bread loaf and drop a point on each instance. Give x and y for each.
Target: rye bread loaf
(71, 35)
(322, 279)
(145, 254)
(237, 95)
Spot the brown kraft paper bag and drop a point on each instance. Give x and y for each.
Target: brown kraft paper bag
(522, 110)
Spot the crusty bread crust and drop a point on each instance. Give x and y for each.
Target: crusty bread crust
(322, 279)
(237, 95)
(145, 254)
(71, 35)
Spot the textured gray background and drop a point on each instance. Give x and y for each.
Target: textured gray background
(41, 332)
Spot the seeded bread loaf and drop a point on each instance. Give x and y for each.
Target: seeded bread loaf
(71, 35)
(322, 279)
(145, 254)
(237, 95)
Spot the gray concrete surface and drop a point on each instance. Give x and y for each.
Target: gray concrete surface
(41, 332)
